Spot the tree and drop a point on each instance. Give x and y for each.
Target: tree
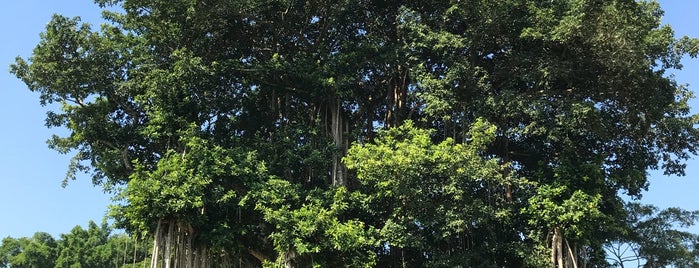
(561, 81)
(431, 202)
(10, 249)
(34, 252)
(95, 247)
(653, 238)
(221, 125)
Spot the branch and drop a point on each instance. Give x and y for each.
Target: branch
(124, 152)
(77, 101)
(258, 255)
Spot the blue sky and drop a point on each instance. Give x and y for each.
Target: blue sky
(680, 191)
(31, 197)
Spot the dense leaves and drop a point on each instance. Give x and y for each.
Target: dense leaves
(430, 201)
(37, 251)
(474, 133)
(95, 247)
(651, 238)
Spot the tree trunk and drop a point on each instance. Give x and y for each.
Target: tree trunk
(506, 172)
(258, 255)
(190, 249)
(204, 257)
(156, 245)
(402, 258)
(396, 96)
(562, 254)
(135, 246)
(197, 258)
(572, 257)
(337, 132)
(177, 247)
(554, 238)
(557, 247)
(168, 245)
(289, 257)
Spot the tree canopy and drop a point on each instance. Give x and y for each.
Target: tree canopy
(96, 247)
(291, 133)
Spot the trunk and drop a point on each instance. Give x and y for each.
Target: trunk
(559, 252)
(337, 132)
(289, 257)
(557, 248)
(197, 258)
(156, 245)
(168, 245)
(554, 237)
(402, 258)
(126, 250)
(397, 96)
(259, 256)
(204, 257)
(174, 246)
(572, 257)
(135, 246)
(190, 250)
(178, 247)
(502, 149)
(563, 255)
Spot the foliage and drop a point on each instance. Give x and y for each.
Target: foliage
(477, 133)
(311, 227)
(656, 238)
(577, 212)
(92, 248)
(37, 251)
(431, 200)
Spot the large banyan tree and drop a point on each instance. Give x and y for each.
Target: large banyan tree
(472, 133)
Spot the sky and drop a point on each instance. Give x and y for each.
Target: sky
(31, 196)
(676, 191)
